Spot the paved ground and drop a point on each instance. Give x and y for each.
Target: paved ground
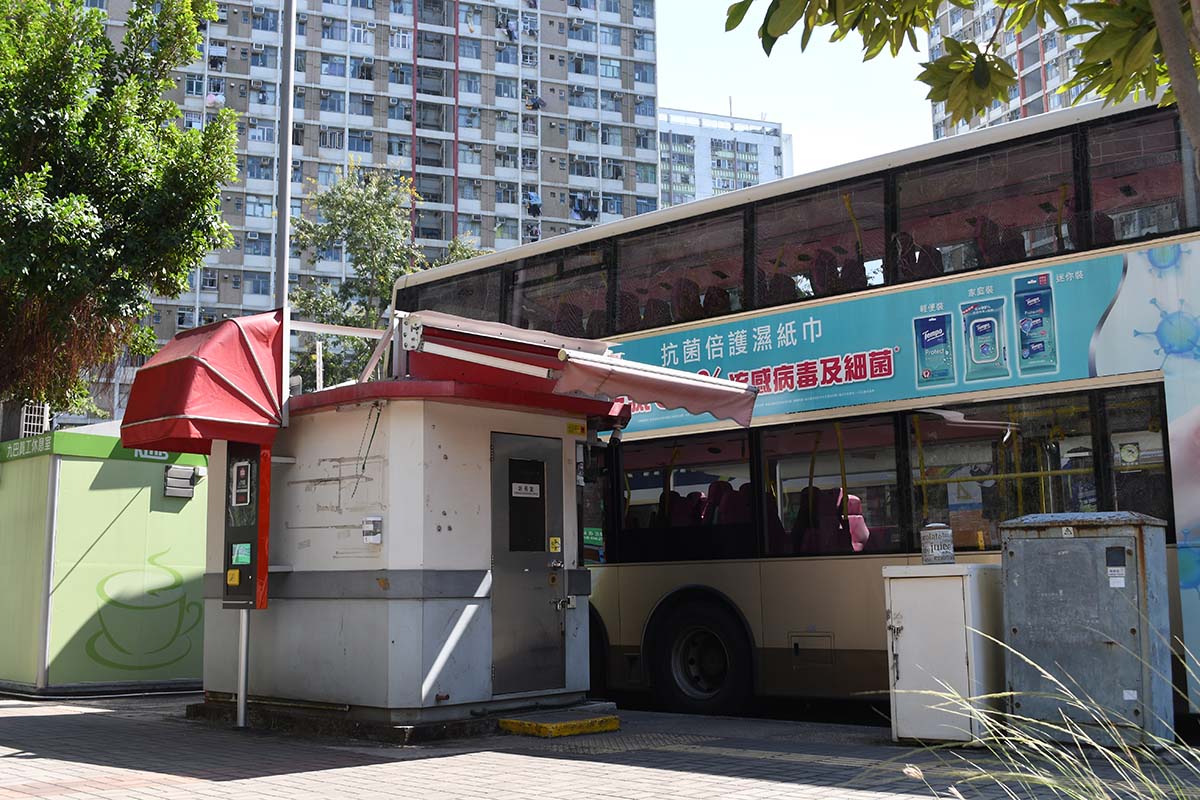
(144, 749)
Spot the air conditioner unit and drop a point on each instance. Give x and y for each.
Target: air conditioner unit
(327, 22)
(641, 98)
(300, 90)
(296, 163)
(618, 95)
(251, 234)
(369, 60)
(326, 93)
(258, 47)
(576, 24)
(501, 148)
(252, 122)
(501, 45)
(595, 126)
(372, 25)
(594, 195)
(302, 18)
(395, 29)
(265, 161)
(368, 99)
(501, 115)
(368, 134)
(256, 84)
(393, 101)
(258, 11)
(324, 128)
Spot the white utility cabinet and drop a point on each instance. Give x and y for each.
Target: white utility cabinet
(933, 613)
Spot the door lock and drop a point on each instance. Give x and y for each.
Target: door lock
(555, 564)
(561, 603)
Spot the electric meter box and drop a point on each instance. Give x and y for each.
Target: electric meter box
(1085, 597)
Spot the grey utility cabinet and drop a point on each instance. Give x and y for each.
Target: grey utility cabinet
(1085, 597)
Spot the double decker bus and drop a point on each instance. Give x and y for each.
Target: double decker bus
(964, 332)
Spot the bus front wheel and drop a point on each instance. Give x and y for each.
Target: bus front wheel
(700, 659)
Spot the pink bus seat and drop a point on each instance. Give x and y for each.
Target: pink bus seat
(859, 532)
(716, 492)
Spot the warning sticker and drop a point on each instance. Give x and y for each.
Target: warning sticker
(555, 544)
(233, 577)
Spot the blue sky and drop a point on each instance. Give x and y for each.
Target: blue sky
(837, 108)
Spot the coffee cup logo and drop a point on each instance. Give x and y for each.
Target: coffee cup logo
(145, 618)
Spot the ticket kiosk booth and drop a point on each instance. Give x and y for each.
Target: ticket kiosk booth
(410, 545)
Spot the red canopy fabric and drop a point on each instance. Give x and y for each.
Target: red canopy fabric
(219, 381)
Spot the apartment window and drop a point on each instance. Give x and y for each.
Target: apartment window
(644, 107)
(507, 87)
(185, 317)
(216, 86)
(643, 40)
(468, 117)
(506, 228)
(469, 83)
(610, 68)
(360, 141)
(470, 15)
(332, 138)
(400, 73)
(506, 54)
(362, 69)
(506, 192)
(328, 174)
(610, 101)
(505, 158)
(582, 98)
(362, 104)
(585, 65)
(610, 36)
(265, 20)
(100, 4)
(589, 5)
(643, 72)
(398, 145)
(259, 245)
(301, 27)
(611, 6)
(612, 170)
(644, 139)
(612, 204)
(400, 38)
(584, 131)
(333, 65)
(647, 173)
(585, 166)
(610, 135)
(268, 95)
(331, 252)
(297, 172)
(193, 120)
(645, 205)
(468, 188)
(235, 280)
(505, 122)
(193, 85)
(333, 29)
(262, 132)
(402, 7)
(582, 31)
(333, 101)
(643, 8)
(258, 283)
(469, 226)
(400, 109)
(208, 279)
(301, 63)
(260, 169)
(361, 34)
(469, 153)
(470, 48)
(367, 4)
(258, 206)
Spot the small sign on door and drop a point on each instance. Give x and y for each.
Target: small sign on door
(241, 484)
(526, 490)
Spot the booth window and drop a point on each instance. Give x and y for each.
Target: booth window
(564, 293)
(1137, 454)
(475, 295)
(678, 273)
(1139, 184)
(687, 499)
(832, 488)
(818, 244)
(975, 466)
(999, 207)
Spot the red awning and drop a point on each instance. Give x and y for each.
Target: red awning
(220, 381)
(445, 347)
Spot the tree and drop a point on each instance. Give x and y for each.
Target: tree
(1138, 48)
(370, 215)
(104, 200)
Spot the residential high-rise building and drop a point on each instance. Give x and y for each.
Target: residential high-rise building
(706, 154)
(515, 120)
(1044, 61)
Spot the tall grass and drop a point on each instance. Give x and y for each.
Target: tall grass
(1087, 752)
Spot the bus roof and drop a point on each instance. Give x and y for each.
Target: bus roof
(980, 138)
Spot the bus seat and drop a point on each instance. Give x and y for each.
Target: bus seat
(657, 313)
(568, 321)
(716, 301)
(629, 316)
(687, 300)
(781, 288)
(859, 532)
(823, 273)
(716, 492)
(685, 511)
(822, 530)
(736, 507)
(854, 274)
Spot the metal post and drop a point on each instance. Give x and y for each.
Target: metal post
(243, 666)
(283, 209)
(320, 365)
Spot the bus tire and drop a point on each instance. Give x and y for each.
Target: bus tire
(700, 659)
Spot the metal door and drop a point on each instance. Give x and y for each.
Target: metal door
(927, 630)
(528, 581)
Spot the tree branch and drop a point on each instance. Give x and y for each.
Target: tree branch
(1177, 52)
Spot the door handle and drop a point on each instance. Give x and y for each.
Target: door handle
(555, 564)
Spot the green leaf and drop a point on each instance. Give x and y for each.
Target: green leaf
(1141, 53)
(786, 16)
(736, 13)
